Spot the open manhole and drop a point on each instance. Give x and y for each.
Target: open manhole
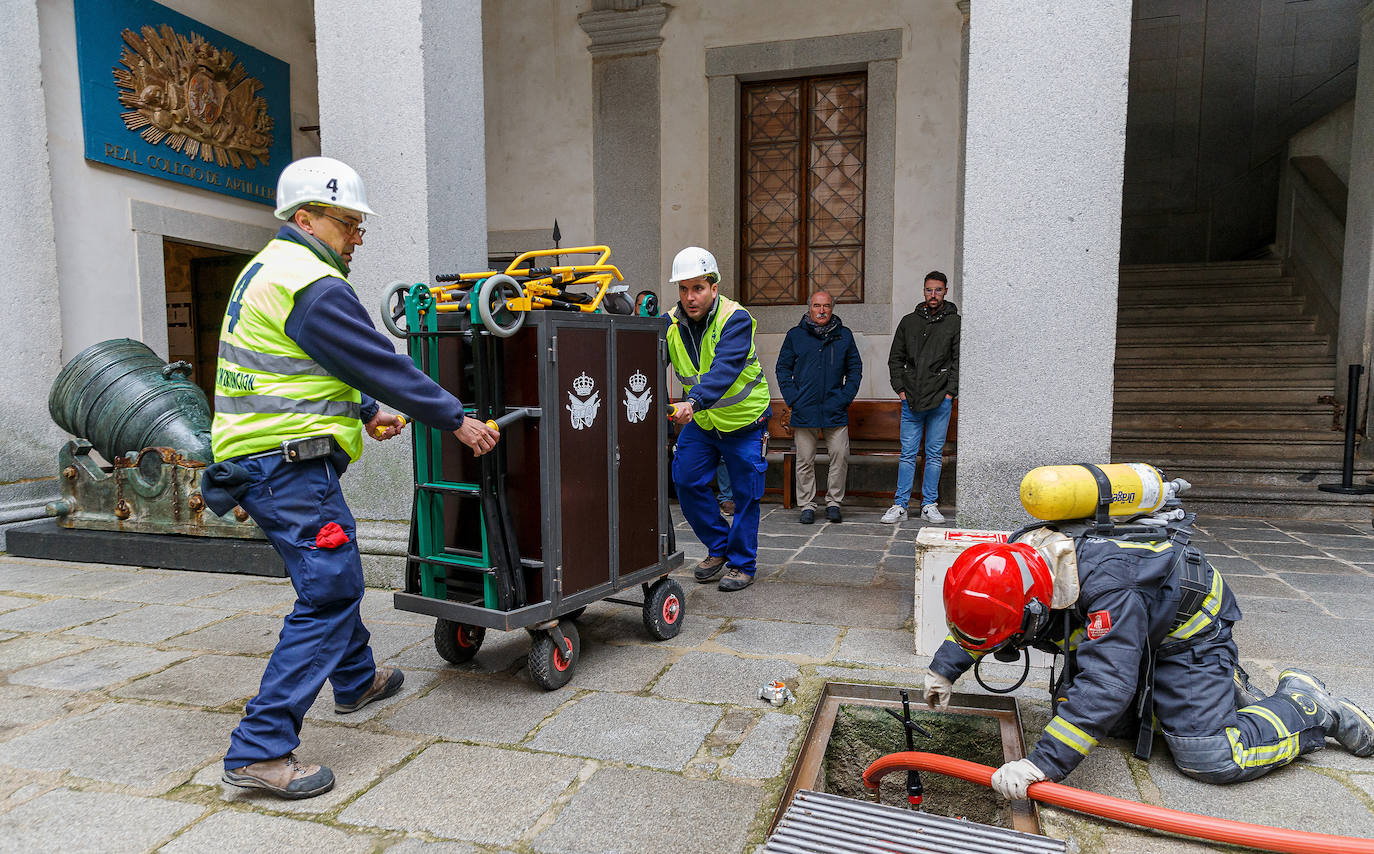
(850, 729)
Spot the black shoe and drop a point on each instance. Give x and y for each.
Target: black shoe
(735, 580)
(832, 514)
(807, 517)
(709, 569)
(1246, 693)
(1346, 722)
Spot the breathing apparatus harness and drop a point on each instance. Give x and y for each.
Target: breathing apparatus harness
(1193, 579)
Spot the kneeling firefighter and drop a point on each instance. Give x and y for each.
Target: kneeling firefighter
(1144, 622)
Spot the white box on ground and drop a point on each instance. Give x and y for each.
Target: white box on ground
(936, 549)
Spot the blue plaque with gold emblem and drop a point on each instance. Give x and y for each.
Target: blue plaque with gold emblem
(167, 96)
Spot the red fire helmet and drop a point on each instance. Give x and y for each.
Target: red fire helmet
(989, 593)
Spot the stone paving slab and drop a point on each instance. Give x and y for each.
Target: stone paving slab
(1313, 582)
(177, 589)
(150, 748)
(764, 749)
(419, 846)
(56, 614)
(501, 652)
(885, 647)
(43, 577)
(477, 794)
(630, 668)
(152, 623)
(273, 598)
(206, 680)
(634, 730)
(25, 706)
(234, 832)
(835, 556)
(715, 678)
(27, 651)
(1265, 585)
(820, 573)
(92, 823)
(882, 608)
(248, 634)
(1284, 563)
(357, 757)
(626, 625)
(626, 811)
(9, 603)
(769, 637)
(479, 708)
(97, 668)
(1324, 806)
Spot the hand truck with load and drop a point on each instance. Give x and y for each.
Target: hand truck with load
(571, 507)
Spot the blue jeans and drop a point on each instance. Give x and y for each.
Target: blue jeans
(723, 492)
(935, 424)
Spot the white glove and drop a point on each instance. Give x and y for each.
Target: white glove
(937, 691)
(1012, 779)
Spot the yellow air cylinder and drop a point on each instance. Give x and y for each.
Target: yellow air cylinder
(1053, 493)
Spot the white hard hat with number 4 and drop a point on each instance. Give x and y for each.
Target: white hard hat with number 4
(695, 261)
(320, 180)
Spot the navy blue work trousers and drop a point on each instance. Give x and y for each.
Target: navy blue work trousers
(323, 637)
(694, 465)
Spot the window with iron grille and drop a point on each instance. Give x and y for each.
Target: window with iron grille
(802, 189)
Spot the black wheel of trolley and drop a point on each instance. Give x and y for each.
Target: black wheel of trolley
(551, 666)
(663, 609)
(457, 642)
(574, 614)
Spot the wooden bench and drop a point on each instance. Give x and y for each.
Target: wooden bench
(875, 430)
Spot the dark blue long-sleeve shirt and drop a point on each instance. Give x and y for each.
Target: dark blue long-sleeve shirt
(330, 324)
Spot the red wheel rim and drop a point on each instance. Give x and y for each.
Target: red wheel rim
(561, 662)
(672, 609)
(467, 637)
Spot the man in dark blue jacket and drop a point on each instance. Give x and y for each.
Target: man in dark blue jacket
(819, 370)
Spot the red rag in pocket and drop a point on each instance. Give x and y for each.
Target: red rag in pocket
(331, 536)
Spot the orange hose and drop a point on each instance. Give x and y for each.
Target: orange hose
(1257, 836)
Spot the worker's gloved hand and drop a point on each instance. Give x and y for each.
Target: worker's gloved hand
(1012, 779)
(937, 690)
(476, 435)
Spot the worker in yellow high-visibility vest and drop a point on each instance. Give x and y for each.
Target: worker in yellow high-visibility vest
(301, 368)
(711, 346)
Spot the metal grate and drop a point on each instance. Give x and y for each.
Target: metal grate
(817, 823)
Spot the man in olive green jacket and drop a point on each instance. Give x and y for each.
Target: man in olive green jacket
(924, 368)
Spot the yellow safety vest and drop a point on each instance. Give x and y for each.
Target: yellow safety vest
(747, 397)
(267, 389)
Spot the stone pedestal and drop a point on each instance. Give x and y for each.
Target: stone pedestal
(1041, 241)
(30, 318)
(401, 101)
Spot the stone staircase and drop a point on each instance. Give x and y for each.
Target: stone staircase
(1223, 379)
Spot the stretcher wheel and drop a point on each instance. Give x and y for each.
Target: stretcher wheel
(663, 609)
(457, 642)
(550, 666)
(491, 305)
(393, 309)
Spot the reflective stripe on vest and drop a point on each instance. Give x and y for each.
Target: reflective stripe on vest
(267, 389)
(746, 398)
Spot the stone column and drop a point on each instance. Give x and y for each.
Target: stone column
(401, 101)
(30, 323)
(626, 172)
(958, 272)
(1042, 235)
(1353, 343)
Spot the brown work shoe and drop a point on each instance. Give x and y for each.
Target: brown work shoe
(285, 777)
(385, 682)
(727, 507)
(709, 568)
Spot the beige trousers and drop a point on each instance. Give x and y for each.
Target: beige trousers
(837, 447)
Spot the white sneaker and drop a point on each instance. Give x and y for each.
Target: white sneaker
(894, 514)
(931, 514)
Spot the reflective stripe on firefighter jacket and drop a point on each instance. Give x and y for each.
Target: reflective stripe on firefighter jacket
(747, 397)
(267, 389)
(1127, 607)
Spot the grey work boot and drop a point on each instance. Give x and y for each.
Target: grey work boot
(386, 681)
(1346, 722)
(1246, 693)
(285, 777)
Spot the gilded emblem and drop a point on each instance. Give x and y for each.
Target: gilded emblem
(193, 96)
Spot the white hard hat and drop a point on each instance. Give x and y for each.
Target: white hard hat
(695, 261)
(322, 180)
